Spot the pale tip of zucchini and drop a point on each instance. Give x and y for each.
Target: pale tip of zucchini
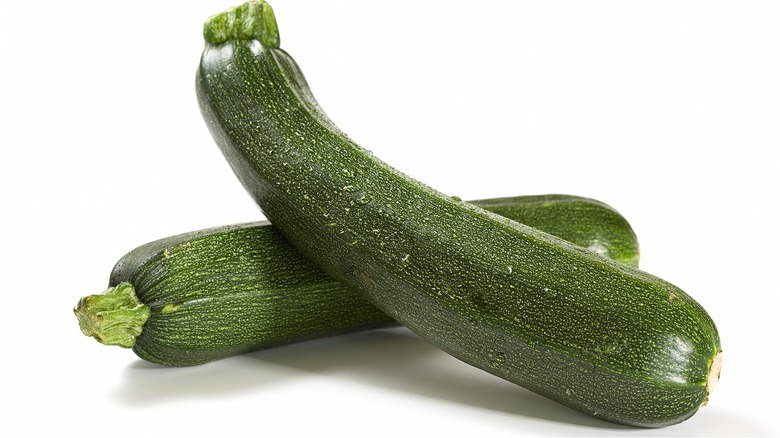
(253, 20)
(713, 376)
(115, 317)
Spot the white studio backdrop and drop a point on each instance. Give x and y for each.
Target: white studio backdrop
(669, 111)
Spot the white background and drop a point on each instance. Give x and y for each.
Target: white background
(667, 110)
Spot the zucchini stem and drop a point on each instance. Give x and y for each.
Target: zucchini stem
(714, 375)
(115, 317)
(254, 20)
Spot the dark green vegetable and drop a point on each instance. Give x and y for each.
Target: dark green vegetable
(591, 333)
(201, 296)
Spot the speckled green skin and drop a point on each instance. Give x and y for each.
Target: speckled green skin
(585, 222)
(593, 334)
(226, 290)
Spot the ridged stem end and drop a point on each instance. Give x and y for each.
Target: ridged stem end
(115, 317)
(253, 20)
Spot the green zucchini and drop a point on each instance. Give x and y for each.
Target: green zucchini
(205, 295)
(591, 333)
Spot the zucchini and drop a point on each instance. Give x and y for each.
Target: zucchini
(205, 295)
(593, 334)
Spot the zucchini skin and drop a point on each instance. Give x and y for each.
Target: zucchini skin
(585, 222)
(227, 290)
(597, 336)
